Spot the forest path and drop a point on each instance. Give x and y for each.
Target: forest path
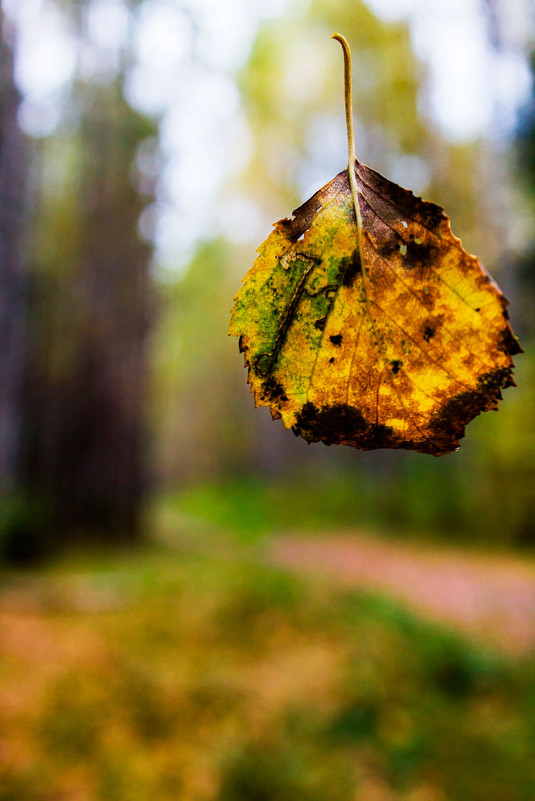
(489, 597)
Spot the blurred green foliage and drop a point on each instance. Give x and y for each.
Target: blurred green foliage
(173, 675)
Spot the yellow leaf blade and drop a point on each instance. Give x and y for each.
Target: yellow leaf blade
(397, 340)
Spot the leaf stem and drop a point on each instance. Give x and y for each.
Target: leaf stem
(351, 155)
(349, 124)
(348, 96)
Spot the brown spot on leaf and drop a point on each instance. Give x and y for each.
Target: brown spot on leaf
(428, 333)
(420, 256)
(341, 424)
(388, 247)
(350, 268)
(274, 391)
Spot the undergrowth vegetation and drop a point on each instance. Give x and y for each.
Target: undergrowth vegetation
(168, 675)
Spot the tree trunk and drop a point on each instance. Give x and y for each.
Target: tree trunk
(86, 450)
(13, 283)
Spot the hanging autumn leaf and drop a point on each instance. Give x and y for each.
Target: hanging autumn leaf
(364, 322)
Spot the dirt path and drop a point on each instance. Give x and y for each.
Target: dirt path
(491, 598)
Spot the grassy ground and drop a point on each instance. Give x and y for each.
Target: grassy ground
(175, 673)
(422, 503)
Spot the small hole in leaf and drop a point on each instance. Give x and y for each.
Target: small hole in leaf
(403, 250)
(404, 223)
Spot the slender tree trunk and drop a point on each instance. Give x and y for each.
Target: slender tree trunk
(87, 454)
(102, 467)
(13, 283)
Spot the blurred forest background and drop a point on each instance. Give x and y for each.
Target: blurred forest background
(146, 146)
